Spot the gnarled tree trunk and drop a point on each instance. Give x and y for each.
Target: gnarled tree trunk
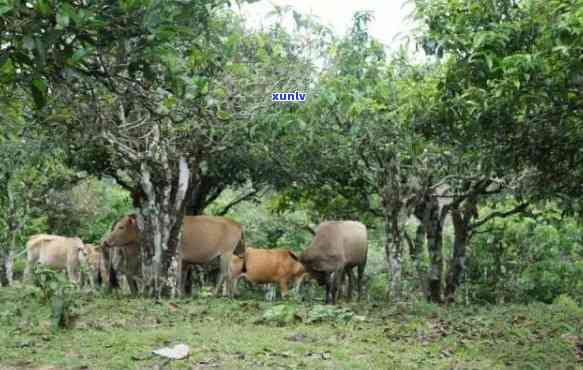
(393, 252)
(433, 225)
(393, 204)
(458, 261)
(161, 219)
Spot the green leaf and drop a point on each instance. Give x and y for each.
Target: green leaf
(79, 55)
(489, 61)
(39, 92)
(7, 71)
(62, 20)
(43, 7)
(5, 8)
(516, 84)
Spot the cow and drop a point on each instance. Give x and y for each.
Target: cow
(336, 249)
(263, 266)
(123, 261)
(96, 264)
(57, 252)
(204, 238)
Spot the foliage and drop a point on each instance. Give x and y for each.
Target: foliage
(509, 88)
(524, 259)
(320, 313)
(281, 315)
(57, 290)
(265, 228)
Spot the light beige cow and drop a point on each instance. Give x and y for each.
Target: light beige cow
(58, 252)
(264, 266)
(96, 266)
(336, 249)
(204, 238)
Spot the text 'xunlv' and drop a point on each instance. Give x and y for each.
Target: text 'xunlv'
(291, 96)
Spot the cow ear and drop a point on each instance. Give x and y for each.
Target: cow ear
(293, 255)
(132, 220)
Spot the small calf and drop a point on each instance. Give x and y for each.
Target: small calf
(263, 266)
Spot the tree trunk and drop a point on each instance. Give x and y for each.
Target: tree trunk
(417, 257)
(392, 204)
(4, 255)
(14, 226)
(393, 252)
(161, 220)
(9, 258)
(458, 261)
(433, 224)
(202, 192)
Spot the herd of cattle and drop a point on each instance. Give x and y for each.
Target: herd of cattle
(337, 248)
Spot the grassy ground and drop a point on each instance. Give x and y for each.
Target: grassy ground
(120, 333)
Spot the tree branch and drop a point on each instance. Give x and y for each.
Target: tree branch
(237, 201)
(309, 229)
(518, 209)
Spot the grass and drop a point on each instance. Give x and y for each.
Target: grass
(120, 333)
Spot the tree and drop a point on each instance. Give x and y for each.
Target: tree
(28, 169)
(353, 145)
(158, 90)
(512, 77)
(505, 106)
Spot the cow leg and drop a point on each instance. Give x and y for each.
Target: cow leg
(330, 288)
(225, 264)
(235, 282)
(283, 288)
(97, 279)
(336, 281)
(187, 278)
(28, 270)
(133, 285)
(110, 270)
(360, 272)
(299, 284)
(74, 274)
(73, 268)
(351, 278)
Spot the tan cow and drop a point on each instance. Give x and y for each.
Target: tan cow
(336, 249)
(268, 266)
(95, 262)
(204, 238)
(58, 252)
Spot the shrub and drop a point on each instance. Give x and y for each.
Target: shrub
(56, 288)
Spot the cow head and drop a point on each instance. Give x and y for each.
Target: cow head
(123, 232)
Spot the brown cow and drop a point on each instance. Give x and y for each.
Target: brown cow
(124, 261)
(58, 252)
(336, 249)
(268, 266)
(204, 238)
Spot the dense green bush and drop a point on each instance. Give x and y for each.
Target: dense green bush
(263, 227)
(522, 259)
